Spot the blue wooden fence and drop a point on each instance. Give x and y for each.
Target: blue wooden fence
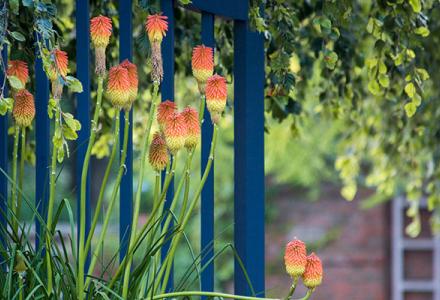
(249, 132)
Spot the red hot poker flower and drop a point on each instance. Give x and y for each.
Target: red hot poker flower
(118, 87)
(58, 66)
(24, 108)
(100, 31)
(158, 155)
(19, 69)
(295, 258)
(313, 274)
(216, 95)
(156, 27)
(191, 117)
(133, 78)
(165, 111)
(202, 64)
(175, 133)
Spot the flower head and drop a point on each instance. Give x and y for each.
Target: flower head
(175, 132)
(295, 258)
(19, 69)
(165, 111)
(118, 87)
(24, 108)
(156, 27)
(312, 276)
(158, 155)
(202, 63)
(100, 31)
(58, 66)
(133, 79)
(191, 117)
(216, 95)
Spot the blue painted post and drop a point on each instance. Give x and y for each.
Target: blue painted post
(3, 152)
(83, 104)
(126, 190)
(42, 140)
(249, 157)
(167, 90)
(207, 205)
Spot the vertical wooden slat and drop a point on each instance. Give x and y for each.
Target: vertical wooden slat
(249, 157)
(3, 152)
(126, 190)
(83, 104)
(167, 90)
(207, 205)
(397, 249)
(42, 142)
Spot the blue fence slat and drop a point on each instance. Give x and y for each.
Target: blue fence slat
(207, 205)
(83, 104)
(126, 190)
(167, 90)
(249, 157)
(3, 151)
(232, 9)
(42, 141)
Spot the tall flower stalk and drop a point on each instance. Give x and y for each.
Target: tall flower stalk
(100, 31)
(156, 27)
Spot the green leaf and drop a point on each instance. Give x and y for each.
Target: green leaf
(14, 5)
(331, 59)
(74, 84)
(410, 89)
(18, 36)
(410, 109)
(424, 75)
(15, 83)
(423, 31)
(374, 87)
(60, 155)
(384, 80)
(73, 124)
(349, 191)
(69, 134)
(416, 5)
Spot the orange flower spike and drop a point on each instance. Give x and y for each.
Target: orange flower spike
(156, 27)
(202, 65)
(295, 258)
(165, 111)
(191, 117)
(118, 87)
(24, 108)
(313, 274)
(100, 32)
(60, 64)
(158, 155)
(19, 69)
(133, 79)
(175, 133)
(216, 96)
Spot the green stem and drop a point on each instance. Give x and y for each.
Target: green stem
(21, 176)
(103, 186)
(82, 233)
(139, 186)
(50, 205)
(14, 204)
(292, 288)
(307, 296)
(169, 258)
(208, 294)
(121, 170)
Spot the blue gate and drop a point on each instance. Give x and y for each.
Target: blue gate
(248, 132)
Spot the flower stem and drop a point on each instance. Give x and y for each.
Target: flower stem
(175, 241)
(103, 186)
(207, 294)
(50, 205)
(307, 296)
(14, 203)
(85, 168)
(121, 171)
(21, 176)
(292, 288)
(139, 187)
